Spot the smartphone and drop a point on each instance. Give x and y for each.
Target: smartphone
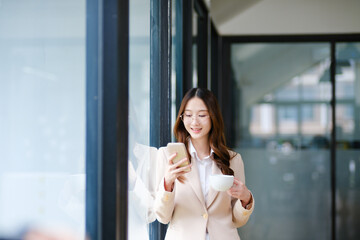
(180, 149)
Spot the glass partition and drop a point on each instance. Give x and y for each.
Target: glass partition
(283, 120)
(42, 116)
(348, 140)
(141, 156)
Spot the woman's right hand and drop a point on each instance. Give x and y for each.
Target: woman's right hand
(174, 171)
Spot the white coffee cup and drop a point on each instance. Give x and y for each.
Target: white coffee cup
(221, 182)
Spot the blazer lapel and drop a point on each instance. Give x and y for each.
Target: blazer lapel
(213, 193)
(194, 180)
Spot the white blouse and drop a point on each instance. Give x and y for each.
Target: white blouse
(204, 167)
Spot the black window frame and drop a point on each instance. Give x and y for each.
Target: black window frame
(201, 41)
(107, 99)
(107, 41)
(160, 85)
(227, 79)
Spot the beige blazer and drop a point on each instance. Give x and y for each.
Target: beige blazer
(186, 212)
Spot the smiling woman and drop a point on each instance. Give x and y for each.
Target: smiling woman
(200, 127)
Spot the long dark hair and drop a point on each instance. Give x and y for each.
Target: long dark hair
(216, 135)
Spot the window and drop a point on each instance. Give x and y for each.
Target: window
(42, 115)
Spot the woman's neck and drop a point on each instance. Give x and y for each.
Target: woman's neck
(202, 147)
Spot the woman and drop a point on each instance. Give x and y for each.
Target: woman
(185, 199)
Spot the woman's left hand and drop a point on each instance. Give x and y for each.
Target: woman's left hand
(240, 191)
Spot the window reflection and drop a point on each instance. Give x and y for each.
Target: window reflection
(288, 92)
(262, 121)
(301, 105)
(315, 119)
(287, 120)
(285, 133)
(285, 115)
(348, 140)
(42, 115)
(141, 157)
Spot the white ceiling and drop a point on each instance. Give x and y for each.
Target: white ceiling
(258, 17)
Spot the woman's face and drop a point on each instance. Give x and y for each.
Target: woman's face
(196, 119)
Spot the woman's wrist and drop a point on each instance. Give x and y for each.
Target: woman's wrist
(244, 203)
(168, 186)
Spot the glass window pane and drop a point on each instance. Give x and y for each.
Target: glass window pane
(262, 120)
(42, 115)
(288, 92)
(140, 194)
(348, 141)
(288, 119)
(315, 83)
(345, 89)
(346, 70)
(315, 119)
(284, 114)
(345, 124)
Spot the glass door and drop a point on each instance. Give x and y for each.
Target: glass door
(283, 119)
(348, 140)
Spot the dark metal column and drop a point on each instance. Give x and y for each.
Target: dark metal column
(179, 48)
(333, 141)
(216, 61)
(107, 119)
(93, 131)
(202, 43)
(160, 84)
(226, 93)
(186, 60)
